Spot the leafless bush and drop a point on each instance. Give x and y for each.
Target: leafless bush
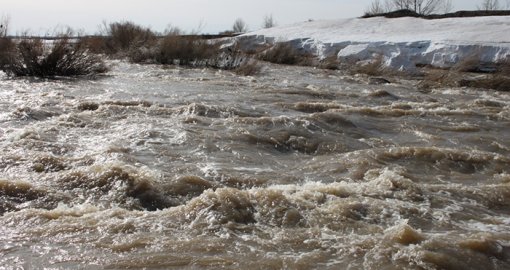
(471, 63)
(495, 82)
(4, 26)
(474, 63)
(33, 57)
(497, 75)
(123, 36)
(420, 7)
(248, 67)
(489, 5)
(187, 50)
(503, 66)
(437, 78)
(331, 63)
(446, 6)
(7, 49)
(239, 26)
(285, 53)
(97, 45)
(377, 68)
(269, 22)
(499, 79)
(377, 7)
(374, 67)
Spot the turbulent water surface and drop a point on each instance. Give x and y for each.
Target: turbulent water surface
(297, 168)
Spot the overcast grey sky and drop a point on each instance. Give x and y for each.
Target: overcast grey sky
(41, 16)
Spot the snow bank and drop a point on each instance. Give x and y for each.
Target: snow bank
(403, 42)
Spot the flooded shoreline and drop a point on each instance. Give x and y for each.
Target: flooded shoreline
(298, 168)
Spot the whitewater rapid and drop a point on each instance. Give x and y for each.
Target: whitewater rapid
(296, 168)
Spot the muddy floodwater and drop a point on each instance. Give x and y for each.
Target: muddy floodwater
(296, 168)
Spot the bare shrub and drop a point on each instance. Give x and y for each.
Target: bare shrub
(269, 21)
(331, 63)
(495, 82)
(123, 36)
(498, 79)
(503, 67)
(437, 78)
(239, 26)
(446, 6)
(377, 68)
(474, 63)
(4, 25)
(7, 49)
(377, 7)
(33, 57)
(489, 5)
(421, 7)
(285, 53)
(374, 67)
(187, 50)
(248, 67)
(143, 55)
(471, 63)
(97, 45)
(231, 57)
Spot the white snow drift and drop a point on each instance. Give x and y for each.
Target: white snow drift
(402, 42)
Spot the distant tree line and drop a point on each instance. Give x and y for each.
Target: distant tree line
(423, 7)
(493, 5)
(241, 27)
(426, 7)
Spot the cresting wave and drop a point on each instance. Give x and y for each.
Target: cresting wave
(312, 171)
(385, 220)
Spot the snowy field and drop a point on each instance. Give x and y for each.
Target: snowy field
(403, 42)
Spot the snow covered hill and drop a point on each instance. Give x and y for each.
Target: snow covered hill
(402, 42)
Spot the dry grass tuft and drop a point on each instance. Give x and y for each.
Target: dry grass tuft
(437, 78)
(471, 63)
(495, 82)
(285, 53)
(503, 67)
(248, 67)
(375, 67)
(330, 63)
(461, 76)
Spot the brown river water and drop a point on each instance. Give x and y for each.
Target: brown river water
(297, 168)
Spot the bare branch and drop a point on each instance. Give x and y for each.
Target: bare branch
(424, 7)
(239, 26)
(4, 25)
(269, 21)
(489, 5)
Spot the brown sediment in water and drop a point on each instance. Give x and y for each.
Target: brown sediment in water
(182, 168)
